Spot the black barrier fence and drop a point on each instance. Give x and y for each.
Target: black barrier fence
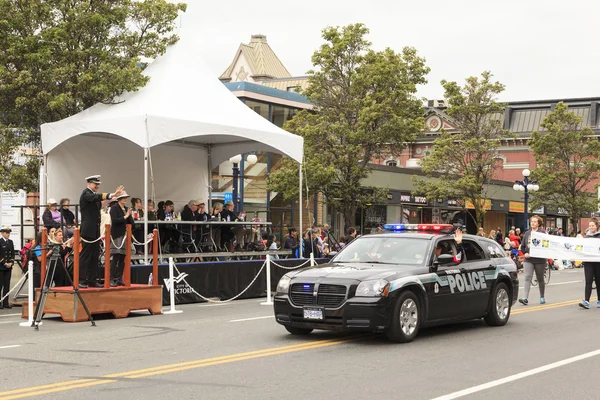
(215, 280)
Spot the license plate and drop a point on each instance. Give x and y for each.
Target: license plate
(313, 313)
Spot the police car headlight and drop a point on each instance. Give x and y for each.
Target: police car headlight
(284, 284)
(376, 288)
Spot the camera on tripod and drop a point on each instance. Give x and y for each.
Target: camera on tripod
(53, 249)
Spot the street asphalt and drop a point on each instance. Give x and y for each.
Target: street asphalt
(237, 351)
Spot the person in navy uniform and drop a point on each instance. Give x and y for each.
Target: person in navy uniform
(7, 256)
(90, 203)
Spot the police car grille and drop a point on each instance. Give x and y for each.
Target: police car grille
(302, 294)
(331, 295)
(332, 289)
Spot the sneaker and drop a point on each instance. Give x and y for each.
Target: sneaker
(585, 304)
(523, 301)
(542, 301)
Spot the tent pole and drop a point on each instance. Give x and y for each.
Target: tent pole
(42, 184)
(300, 204)
(210, 180)
(146, 205)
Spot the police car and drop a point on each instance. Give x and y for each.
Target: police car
(401, 280)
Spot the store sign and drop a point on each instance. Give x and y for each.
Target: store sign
(539, 210)
(516, 207)
(487, 204)
(408, 198)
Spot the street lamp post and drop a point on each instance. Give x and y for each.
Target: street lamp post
(236, 172)
(235, 160)
(526, 185)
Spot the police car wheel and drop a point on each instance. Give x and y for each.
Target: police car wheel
(406, 319)
(499, 310)
(298, 331)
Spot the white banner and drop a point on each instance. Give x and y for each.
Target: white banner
(542, 245)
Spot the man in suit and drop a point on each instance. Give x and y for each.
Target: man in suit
(90, 203)
(7, 256)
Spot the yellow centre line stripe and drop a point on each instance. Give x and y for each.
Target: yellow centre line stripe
(549, 306)
(81, 383)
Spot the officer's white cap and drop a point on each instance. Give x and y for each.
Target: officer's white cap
(93, 179)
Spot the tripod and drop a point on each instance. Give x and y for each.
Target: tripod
(48, 279)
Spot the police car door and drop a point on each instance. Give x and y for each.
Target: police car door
(444, 299)
(477, 289)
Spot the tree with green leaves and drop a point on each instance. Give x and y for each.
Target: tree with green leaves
(365, 107)
(567, 157)
(462, 165)
(60, 57)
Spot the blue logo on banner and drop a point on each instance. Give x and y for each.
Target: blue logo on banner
(227, 196)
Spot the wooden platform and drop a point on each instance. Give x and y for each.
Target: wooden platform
(119, 301)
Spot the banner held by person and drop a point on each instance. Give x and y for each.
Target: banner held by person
(564, 248)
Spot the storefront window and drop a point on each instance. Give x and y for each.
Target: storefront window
(259, 108)
(411, 215)
(427, 216)
(452, 217)
(393, 215)
(374, 215)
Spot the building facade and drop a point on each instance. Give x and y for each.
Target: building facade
(259, 79)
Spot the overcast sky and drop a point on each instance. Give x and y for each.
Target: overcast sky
(540, 49)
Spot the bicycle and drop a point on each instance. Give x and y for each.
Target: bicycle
(547, 273)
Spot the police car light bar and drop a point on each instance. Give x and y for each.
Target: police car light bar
(418, 227)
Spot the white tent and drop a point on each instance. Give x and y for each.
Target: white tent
(179, 125)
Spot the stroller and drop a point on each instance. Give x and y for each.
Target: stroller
(517, 257)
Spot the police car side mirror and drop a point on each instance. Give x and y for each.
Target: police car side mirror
(443, 259)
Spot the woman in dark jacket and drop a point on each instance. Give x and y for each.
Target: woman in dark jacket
(67, 218)
(591, 269)
(120, 216)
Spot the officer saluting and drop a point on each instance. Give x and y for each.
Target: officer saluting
(90, 204)
(7, 253)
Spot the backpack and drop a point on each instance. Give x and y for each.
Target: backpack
(24, 253)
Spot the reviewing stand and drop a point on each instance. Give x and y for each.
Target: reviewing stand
(77, 305)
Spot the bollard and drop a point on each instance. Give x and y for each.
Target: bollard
(76, 250)
(155, 258)
(43, 260)
(312, 259)
(127, 270)
(29, 296)
(171, 289)
(269, 301)
(107, 257)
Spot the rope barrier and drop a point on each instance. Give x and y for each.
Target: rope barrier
(93, 241)
(17, 285)
(290, 268)
(138, 243)
(222, 301)
(122, 243)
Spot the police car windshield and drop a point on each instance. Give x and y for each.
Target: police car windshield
(384, 250)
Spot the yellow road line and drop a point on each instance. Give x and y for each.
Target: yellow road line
(81, 383)
(526, 309)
